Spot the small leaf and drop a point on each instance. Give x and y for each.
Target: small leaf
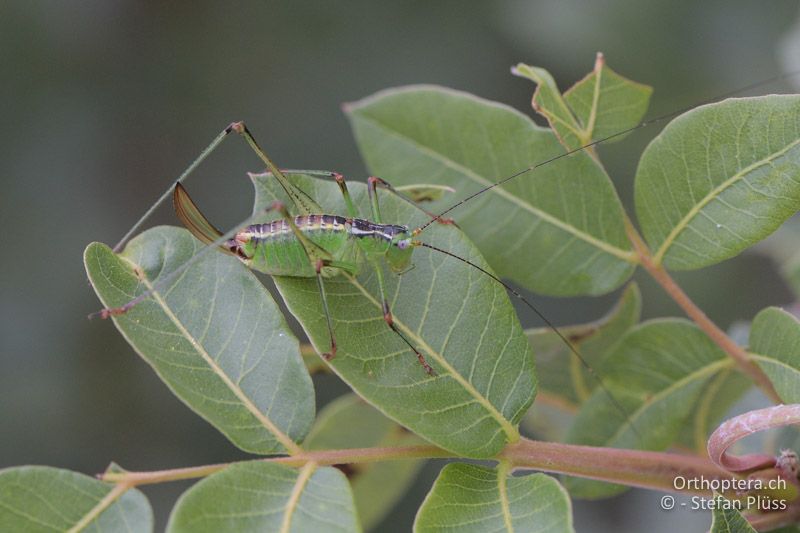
(725, 518)
(258, 496)
(601, 104)
(719, 179)
(557, 229)
(561, 374)
(469, 498)
(547, 101)
(349, 422)
(775, 346)
(41, 498)
(656, 372)
(459, 318)
(607, 103)
(215, 337)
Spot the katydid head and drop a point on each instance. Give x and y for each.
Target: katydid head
(399, 253)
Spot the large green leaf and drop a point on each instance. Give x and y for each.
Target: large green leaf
(656, 373)
(257, 496)
(468, 498)
(215, 337)
(564, 383)
(561, 374)
(601, 104)
(775, 343)
(720, 178)
(557, 230)
(349, 422)
(41, 498)
(457, 316)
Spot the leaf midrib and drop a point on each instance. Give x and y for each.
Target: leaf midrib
(502, 488)
(294, 498)
(280, 436)
(625, 255)
(713, 194)
(508, 428)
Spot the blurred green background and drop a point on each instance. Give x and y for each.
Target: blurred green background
(104, 102)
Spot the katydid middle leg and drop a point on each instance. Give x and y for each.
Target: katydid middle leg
(389, 319)
(320, 259)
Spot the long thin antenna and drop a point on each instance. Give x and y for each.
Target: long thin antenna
(552, 326)
(641, 125)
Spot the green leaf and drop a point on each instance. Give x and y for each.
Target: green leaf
(547, 101)
(607, 103)
(258, 496)
(657, 372)
(561, 374)
(725, 518)
(720, 178)
(724, 390)
(457, 316)
(215, 337)
(41, 498)
(601, 104)
(557, 230)
(469, 498)
(349, 422)
(775, 347)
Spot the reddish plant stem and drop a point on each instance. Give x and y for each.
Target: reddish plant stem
(634, 468)
(321, 457)
(736, 352)
(650, 470)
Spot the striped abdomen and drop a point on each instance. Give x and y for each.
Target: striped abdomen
(274, 249)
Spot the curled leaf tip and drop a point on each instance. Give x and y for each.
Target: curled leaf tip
(735, 429)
